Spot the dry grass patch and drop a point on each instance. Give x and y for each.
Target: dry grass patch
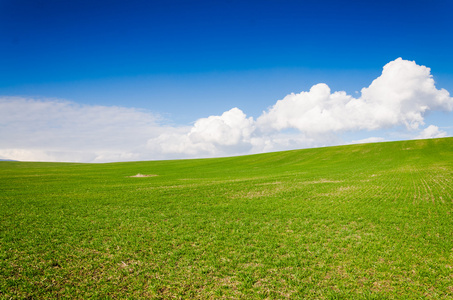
(143, 175)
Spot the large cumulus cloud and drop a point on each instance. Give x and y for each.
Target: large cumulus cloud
(400, 96)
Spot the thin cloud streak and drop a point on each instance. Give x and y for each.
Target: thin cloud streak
(55, 130)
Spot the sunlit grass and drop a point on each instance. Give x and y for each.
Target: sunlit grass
(367, 221)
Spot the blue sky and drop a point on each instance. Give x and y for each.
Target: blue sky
(177, 62)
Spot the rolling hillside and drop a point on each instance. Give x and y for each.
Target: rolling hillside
(369, 221)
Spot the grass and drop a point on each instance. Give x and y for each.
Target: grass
(371, 221)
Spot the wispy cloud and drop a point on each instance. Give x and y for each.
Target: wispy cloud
(54, 130)
(368, 140)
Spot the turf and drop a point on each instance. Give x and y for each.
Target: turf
(370, 221)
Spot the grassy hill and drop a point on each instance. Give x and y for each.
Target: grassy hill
(370, 221)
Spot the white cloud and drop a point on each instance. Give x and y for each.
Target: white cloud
(53, 130)
(231, 129)
(368, 140)
(227, 134)
(400, 96)
(431, 132)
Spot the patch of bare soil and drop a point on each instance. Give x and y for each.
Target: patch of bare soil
(143, 175)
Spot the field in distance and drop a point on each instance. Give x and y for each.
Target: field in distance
(369, 221)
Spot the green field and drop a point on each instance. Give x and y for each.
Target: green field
(370, 221)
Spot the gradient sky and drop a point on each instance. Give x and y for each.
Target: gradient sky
(181, 61)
